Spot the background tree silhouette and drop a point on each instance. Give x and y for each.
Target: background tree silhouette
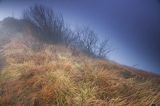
(91, 45)
(48, 25)
(50, 28)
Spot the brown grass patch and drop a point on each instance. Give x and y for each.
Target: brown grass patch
(51, 76)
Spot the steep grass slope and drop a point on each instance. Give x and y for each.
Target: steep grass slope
(37, 74)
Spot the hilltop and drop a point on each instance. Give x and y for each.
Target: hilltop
(37, 74)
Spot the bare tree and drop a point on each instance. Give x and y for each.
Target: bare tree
(49, 26)
(87, 40)
(89, 43)
(103, 49)
(70, 38)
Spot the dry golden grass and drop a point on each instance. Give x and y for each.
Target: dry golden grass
(52, 76)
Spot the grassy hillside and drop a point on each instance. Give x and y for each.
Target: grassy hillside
(34, 74)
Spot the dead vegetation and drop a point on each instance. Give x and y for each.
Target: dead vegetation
(53, 76)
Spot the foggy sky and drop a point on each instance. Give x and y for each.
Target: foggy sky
(133, 26)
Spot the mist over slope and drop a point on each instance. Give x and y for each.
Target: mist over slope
(34, 73)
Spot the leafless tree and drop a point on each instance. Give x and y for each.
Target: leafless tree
(89, 43)
(49, 26)
(87, 40)
(103, 49)
(70, 38)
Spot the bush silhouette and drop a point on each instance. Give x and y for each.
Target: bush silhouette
(49, 27)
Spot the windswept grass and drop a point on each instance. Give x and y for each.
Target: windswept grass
(52, 76)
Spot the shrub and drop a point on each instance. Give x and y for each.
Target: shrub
(47, 25)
